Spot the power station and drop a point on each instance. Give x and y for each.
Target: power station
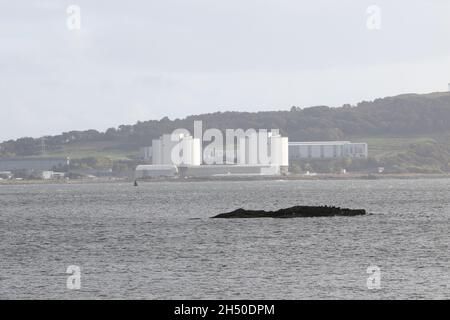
(251, 154)
(264, 153)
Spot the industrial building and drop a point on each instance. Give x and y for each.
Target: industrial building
(256, 149)
(254, 154)
(164, 150)
(279, 150)
(327, 150)
(153, 171)
(33, 167)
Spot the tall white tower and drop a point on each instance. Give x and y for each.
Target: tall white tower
(187, 146)
(279, 150)
(449, 87)
(157, 152)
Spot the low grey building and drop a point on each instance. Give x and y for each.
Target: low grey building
(327, 150)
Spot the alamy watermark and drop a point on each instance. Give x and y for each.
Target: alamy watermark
(230, 146)
(73, 17)
(373, 21)
(74, 280)
(374, 280)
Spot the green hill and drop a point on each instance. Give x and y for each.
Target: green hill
(406, 133)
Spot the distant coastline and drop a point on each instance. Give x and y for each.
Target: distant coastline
(292, 177)
(405, 134)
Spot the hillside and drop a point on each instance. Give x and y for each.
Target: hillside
(405, 133)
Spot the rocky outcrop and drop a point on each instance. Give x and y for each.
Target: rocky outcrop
(293, 212)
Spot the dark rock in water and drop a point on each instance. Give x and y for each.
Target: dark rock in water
(293, 212)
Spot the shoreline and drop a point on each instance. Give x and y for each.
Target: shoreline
(292, 177)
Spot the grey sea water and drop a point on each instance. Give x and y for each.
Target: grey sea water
(156, 241)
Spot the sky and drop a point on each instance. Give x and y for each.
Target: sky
(119, 62)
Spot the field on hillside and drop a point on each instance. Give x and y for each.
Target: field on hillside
(383, 146)
(96, 149)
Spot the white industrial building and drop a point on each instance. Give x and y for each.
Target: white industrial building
(254, 149)
(279, 150)
(254, 154)
(327, 150)
(176, 149)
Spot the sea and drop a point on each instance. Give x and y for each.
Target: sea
(157, 241)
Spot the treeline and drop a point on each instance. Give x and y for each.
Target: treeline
(400, 115)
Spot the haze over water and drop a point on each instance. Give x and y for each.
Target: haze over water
(156, 241)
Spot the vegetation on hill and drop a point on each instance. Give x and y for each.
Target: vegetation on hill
(406, 133)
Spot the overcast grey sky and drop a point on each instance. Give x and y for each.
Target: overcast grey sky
(139, 60)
